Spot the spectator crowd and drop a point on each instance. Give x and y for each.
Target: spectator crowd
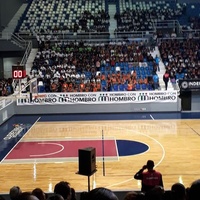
(181, 58)
(6, 87)
(87, 67)
(63, 191)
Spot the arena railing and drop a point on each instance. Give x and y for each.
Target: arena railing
(18, 40)
(159, 24)
(67, 35)
(14, 38)
(189, 33)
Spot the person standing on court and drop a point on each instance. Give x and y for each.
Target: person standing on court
(149, 178)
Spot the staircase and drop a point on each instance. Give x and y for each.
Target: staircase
(161, 72)
(113, 22)
(30, 60)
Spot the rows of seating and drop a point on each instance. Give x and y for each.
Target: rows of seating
(92, 16)
(142, 16)
(113, 67)
(187, 14)
(61, 15)
(73, 15)
(77, 67)
(143, 5)
(191, 19)
(181, 57)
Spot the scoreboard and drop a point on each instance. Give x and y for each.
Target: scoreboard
(18, 71)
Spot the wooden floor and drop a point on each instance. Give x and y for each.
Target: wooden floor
(174, 147)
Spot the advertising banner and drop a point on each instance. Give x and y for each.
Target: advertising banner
(100, 98)
(189, 85)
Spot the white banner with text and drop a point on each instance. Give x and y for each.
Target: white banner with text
(99, 98)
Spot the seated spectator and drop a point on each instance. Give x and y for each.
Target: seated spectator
(63, 188)
(155, 193)
(55, 197)
(14, 193)
(155, 81)
(2, 198)
(194, 190)
(27, 196)
(100, 193)
(38, 192)
(134, 196)
(178, 191)
(73, 194)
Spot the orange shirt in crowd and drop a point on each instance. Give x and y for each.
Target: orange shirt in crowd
(64, 87)
(103, 77)
(82, 86)
(129, 87)
(54, 87)
(98, 87)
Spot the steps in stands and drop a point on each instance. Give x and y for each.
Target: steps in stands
(30, 60)
(113, 22)
(161, 72)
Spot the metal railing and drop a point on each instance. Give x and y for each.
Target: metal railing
(191, 33)
(19, 40)
(66, 35)
(27, 53)
(14, 38)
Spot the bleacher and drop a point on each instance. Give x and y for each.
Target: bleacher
(64, 16)
(55, 18)
(143, 15)
(60, 16)
(86, 69)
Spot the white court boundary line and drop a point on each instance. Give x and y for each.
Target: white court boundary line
(119, 183)
(49, 154)
(162, 158)
(20, 139)
(38, 158)
(163, 150)
(152, 117)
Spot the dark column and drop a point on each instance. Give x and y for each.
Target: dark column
(1, 68)
(186, 100)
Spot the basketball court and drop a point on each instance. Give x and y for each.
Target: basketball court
(39, 151)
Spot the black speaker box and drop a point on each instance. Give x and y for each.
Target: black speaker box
(87, 161)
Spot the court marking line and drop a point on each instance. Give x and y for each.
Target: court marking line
(163, 150)
(67, 139)
(116, 150)
(140, 134)
(65, 159)
(20, 139)
(152, 117)
(140, 141)
(48, 154)
(197, 133)
(162, 158)
(86, 124)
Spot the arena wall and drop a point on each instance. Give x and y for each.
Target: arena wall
(9, 109)
(98, 108)
(8, 9)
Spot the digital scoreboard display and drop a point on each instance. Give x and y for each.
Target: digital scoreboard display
(18, 72)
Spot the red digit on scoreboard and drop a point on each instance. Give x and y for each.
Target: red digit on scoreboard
(18, 72)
